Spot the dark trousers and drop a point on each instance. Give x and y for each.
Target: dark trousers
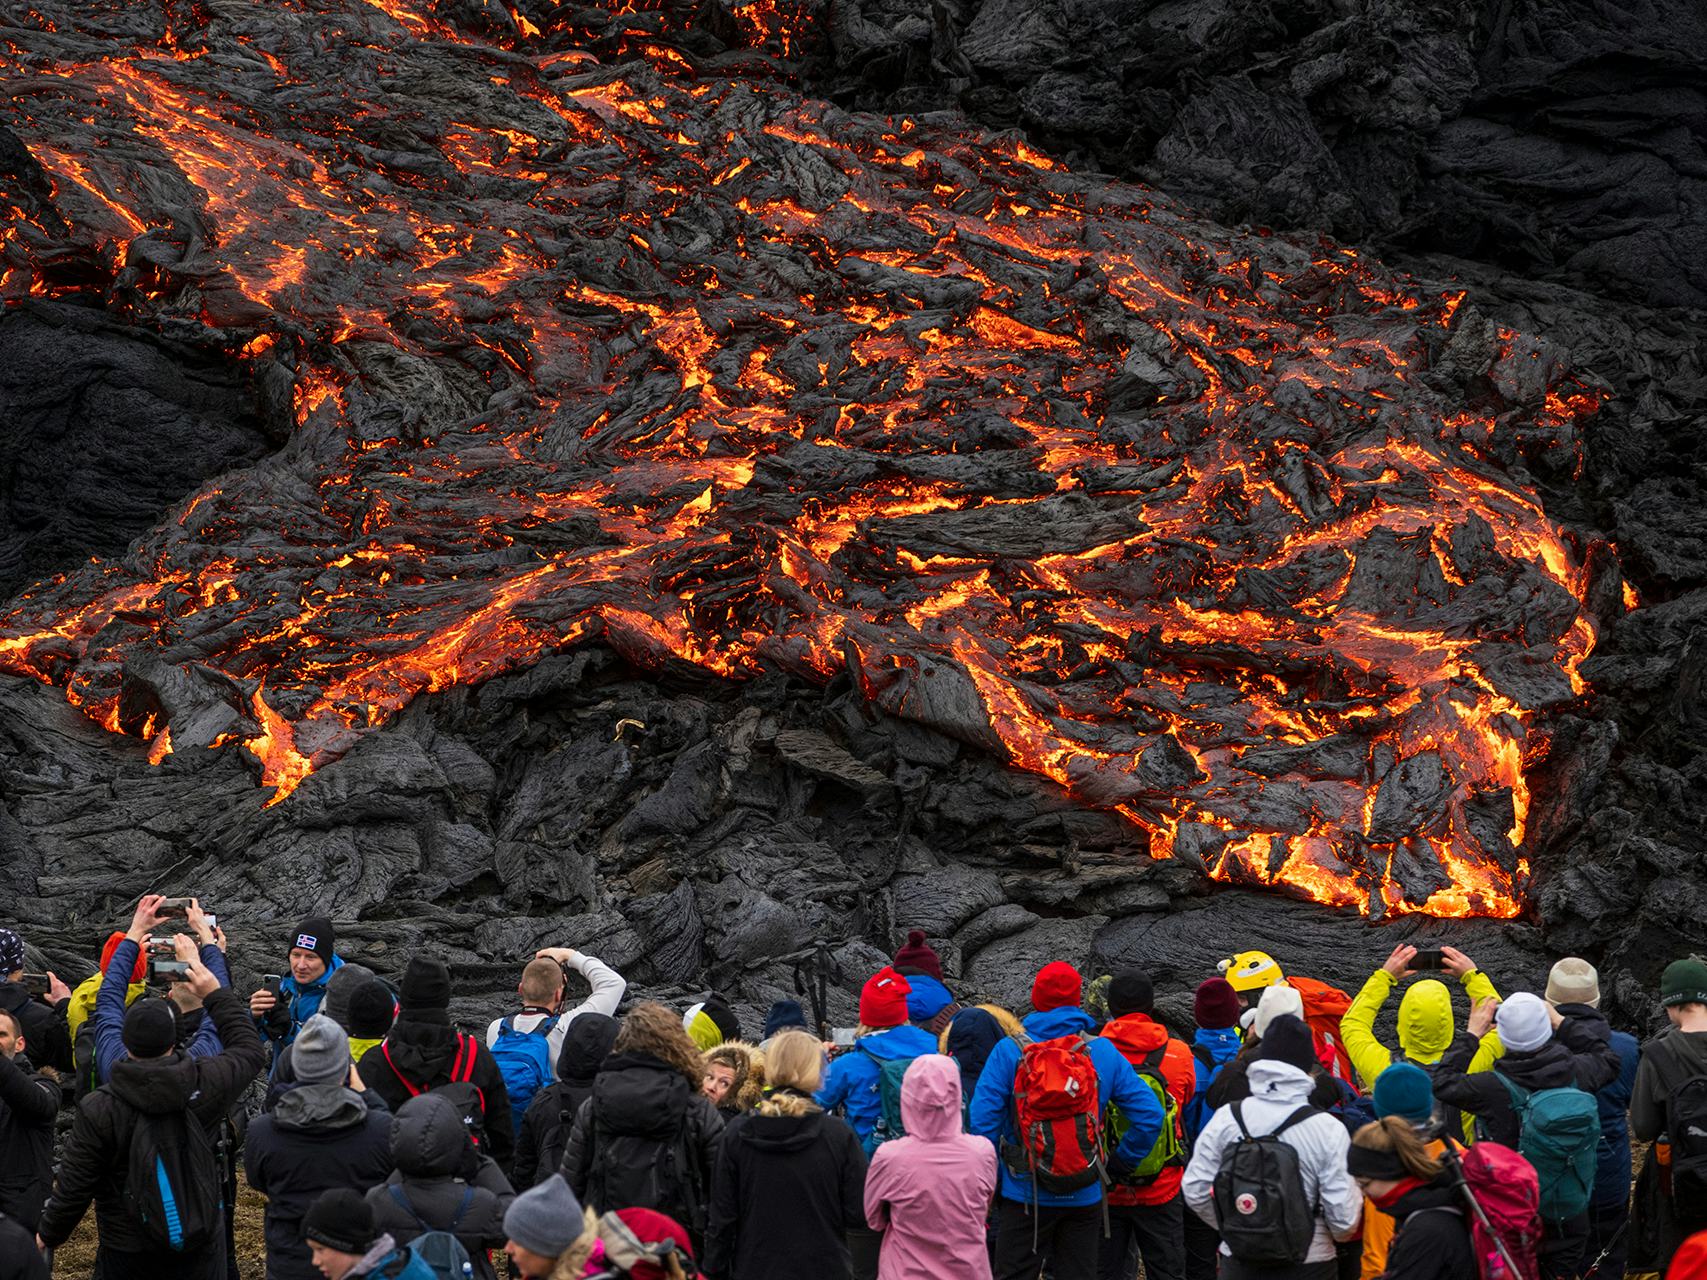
(1154, 1232)
(116, 1264)
(864, 1246)
(1608, 1229)
(1562, 1247)
(1066, 1237)
(1202, 1248)
(1233, 1269)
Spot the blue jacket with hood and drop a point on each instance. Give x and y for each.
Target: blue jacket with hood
(927, 998)
(1117, 1082)
(1222, 1045)
(303, 1003)
(851, 1084)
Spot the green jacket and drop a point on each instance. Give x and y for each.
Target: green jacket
(1426, 1024)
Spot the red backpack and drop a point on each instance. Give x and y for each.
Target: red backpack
(1058, 1115)
(1506, 1187)
(467, 1097)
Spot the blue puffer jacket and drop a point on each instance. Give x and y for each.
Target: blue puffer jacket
(851, 1085)
(1612, 1171)
(927, 998)
(1222, 1046)
(1117, 1082)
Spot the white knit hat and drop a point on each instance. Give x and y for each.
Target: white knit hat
(1275, 1001)
(1523, 1023)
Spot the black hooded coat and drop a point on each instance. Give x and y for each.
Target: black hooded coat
(550, 1116)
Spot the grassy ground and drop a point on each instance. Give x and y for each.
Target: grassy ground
(77, 1258)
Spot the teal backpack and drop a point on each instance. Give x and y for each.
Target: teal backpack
(889, 1075)
(1560, 1137)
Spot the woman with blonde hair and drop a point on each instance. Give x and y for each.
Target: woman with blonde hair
(1391, 1162)
(790, 1179)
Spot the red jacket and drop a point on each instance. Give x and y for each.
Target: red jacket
(1137, 1037)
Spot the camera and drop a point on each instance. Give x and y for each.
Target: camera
(37, 984)
(163, 972)
(173, 909)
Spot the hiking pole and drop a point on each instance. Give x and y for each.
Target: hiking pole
(1450, 1154)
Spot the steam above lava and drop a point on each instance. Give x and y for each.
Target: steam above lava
(1226, 531)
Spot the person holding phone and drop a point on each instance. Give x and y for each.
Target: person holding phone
(198, 1037)
(1426, 1022)
(313, 959)
(42, 1015)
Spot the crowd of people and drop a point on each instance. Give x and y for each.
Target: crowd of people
(1277, 1137)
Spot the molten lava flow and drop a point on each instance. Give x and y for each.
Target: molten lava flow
(1196, 523)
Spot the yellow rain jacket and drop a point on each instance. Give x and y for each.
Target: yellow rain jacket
(82, 1004)
(1426, 1024)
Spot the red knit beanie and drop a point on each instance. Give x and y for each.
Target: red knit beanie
(1056, 986)
(883, 999)
(113, 940)
(918, 954)
(1217, 1005)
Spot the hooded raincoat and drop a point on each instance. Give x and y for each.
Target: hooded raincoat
(1139, 1037)
(929, 1192)
(1277, 1090)
(1426, 1025)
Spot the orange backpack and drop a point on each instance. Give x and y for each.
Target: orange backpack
(1324, 1006)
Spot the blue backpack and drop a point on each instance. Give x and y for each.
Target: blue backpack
(1561, 1138)
(441, 1254)
(524, 1060)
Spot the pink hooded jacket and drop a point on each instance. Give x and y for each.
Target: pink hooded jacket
(930, 1191)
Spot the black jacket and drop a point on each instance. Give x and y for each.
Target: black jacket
(1233, 1083)
(47, 1036)
(28, 1105)
(550, 1116)
(19, 1257)
(317, 1137)
(644, 1139)
(1431, 1245)
(786, 1190)
(423, 1051)
(92, 1166)
(441, 1183)
(1577, 1054)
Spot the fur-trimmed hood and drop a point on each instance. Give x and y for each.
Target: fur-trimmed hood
(748, 1063)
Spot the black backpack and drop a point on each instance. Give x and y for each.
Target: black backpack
(648, 1171)
(1686, 1129)
(1260, 1205)
(173, 1182)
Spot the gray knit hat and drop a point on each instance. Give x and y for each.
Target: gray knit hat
(339, 987)
(320, 1054)
(545, 1219)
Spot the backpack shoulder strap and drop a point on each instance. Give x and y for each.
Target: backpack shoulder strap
(1239, 1118)
(548, 1026)
(407, 1083)
(461, 1209)
(402, 1199)
(1517, 1093)
(505, 1026)
(462, 1067)
(1202, 1054)
(1303, 1113)
(1152, 1062)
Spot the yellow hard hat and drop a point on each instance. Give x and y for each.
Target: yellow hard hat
(1251, 971)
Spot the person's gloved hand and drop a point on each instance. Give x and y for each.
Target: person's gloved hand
(1118, 1169)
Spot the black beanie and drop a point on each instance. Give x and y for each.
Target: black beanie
(1367, 1162)
(1288, 1040)
(1130, 991)
(315, 934)
(718, 1010)
(340, 1219)
(150, 1028)
(372, 1009)
(426, 985)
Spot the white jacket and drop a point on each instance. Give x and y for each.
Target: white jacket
(1277, 1090)
(608, 986)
